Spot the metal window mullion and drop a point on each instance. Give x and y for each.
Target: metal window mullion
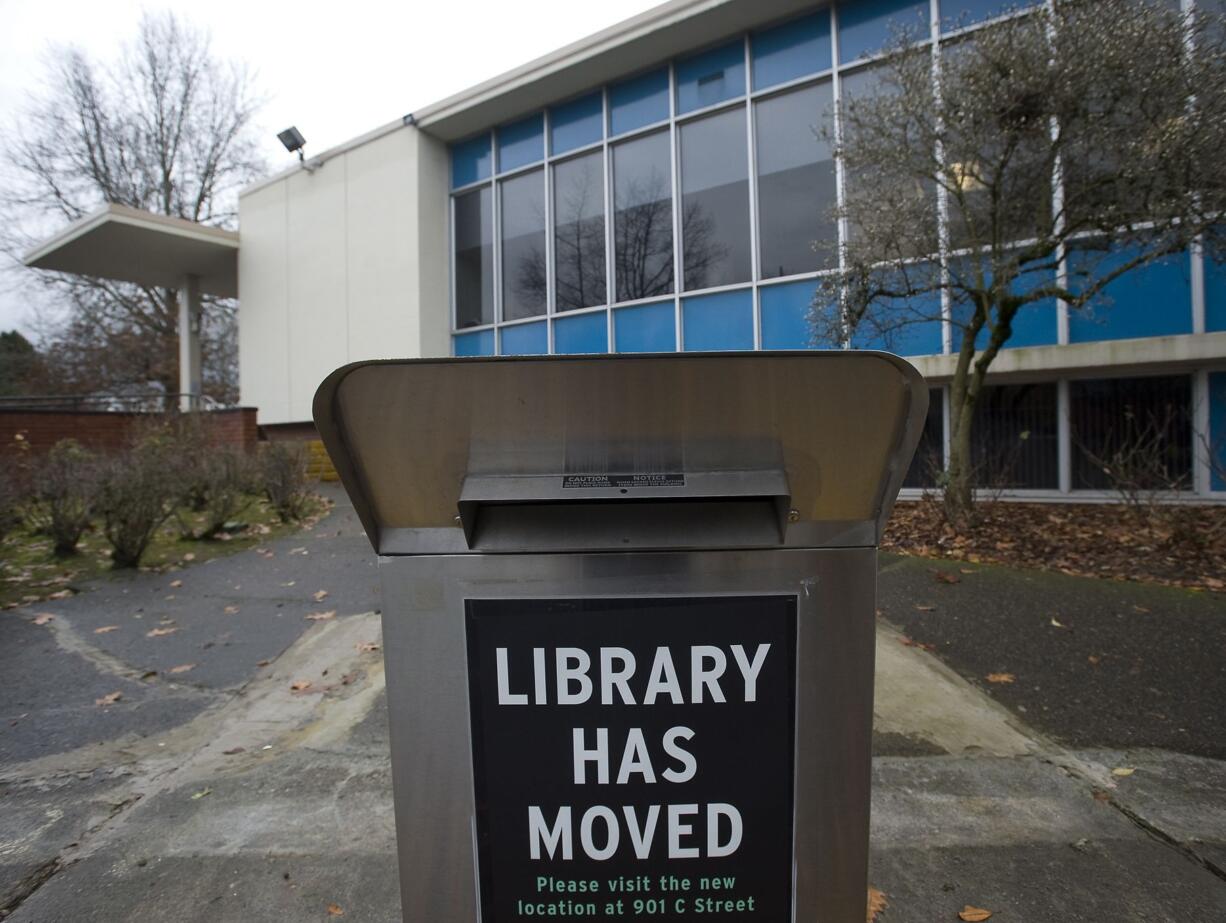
(550, 282)
(1202, 437)
(1064, 436)
(840, 170)
(606, 162)
(674, 149)
(496, 213)
(1057, 205)
(451, 268)
(943, 242)
(751, 166)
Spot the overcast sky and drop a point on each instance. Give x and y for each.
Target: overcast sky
(335, 70)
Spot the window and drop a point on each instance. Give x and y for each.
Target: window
(474, 258)
(797, 231)
(715, 201)
(525, 339)
(523, 245)
(649, 328)
(579, 232)
(928, 461)
(785, 315)
(1014, 441)
(643, 218)
(583, 333)
(1132, 432)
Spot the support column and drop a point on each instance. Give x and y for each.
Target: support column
(189, 344)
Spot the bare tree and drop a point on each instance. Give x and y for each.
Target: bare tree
(1042, 158)
(169, 129)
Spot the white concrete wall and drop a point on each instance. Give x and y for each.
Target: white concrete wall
(345, 263)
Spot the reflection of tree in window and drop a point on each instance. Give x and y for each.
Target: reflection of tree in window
(579, 241)
(474, 259)
(523, 246)
(715, 200)
(643, 218)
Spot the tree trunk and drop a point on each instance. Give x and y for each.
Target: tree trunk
(960, 476)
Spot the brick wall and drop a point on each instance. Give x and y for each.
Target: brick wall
(105, 431)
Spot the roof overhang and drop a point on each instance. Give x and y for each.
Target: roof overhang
(648, 39)
(129, 245)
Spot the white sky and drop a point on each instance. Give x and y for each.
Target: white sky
(335, 70)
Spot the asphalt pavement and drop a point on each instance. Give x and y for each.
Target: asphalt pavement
(255, 786)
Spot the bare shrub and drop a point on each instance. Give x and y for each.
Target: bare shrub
(283, 472)
(136, 494)
(228, 479)
(63, 495)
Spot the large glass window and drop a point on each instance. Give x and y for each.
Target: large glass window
(471, 161)
(523, 246)
(868, 26)
(576, 123)
(1132, 433)
(521, 143)
(474, 258)
(579, 238)
(643, 218)
(797, 231)
(715, 201)
(1014, 440)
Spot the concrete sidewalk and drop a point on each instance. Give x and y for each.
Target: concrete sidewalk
(238, 799)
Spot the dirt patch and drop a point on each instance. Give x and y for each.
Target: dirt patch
(1187, 549)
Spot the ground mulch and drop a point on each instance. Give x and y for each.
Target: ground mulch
(1185, 548)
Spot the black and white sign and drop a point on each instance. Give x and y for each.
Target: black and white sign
(633, 758)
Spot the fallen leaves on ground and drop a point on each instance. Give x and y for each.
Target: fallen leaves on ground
(182, 668)
(196, 796)
(367, 647)
(334, 910)
(1122, 772)
(105, 629)
(300, 685)
(1082, 539)
(298, 551)
(62, 594)
(321, 616)
(262, 663)
(1093, 659)
(175, 584)
(160, 632)
(877, 903)
(190, 556)
(230, 610)
(1000, 678)
(43, 618)
(1056, 623)
(970, 914)
(320, 595)
(946, 577)
(911, 642)
(924, 607)
(109, 699)
(233, 750)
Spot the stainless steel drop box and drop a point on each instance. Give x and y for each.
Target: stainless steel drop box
(628, 625)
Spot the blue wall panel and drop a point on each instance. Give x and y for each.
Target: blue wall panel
(480, 343)
(525, 340)
(521, 143)
(585, 333)
(1154, 300)
(866, 26)
(1035, 324)
(785, 315)
(639, 101)
(576, 123)
(794, 49)
(711, 77)
(471, 160)
(1215, 295)
(718, 322)
(907, 332)
(651, 328)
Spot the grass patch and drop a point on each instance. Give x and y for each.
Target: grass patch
(30, 572)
